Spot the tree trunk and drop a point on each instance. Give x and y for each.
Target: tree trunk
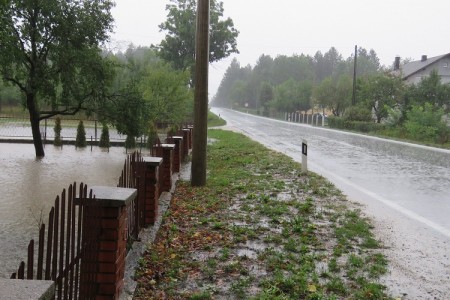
(34, 120)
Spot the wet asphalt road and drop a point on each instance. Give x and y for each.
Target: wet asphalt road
(403, 188)
(412, 179)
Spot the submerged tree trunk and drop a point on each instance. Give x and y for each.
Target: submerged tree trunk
(34, 120)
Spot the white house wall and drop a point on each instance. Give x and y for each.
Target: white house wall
(442, 66)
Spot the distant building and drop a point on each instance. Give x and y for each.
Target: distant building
(414, 71)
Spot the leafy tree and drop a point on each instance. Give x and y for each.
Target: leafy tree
(178, 46)
(233, 73)
(425, 123)
(127, 110)
(381, 92)
(262, 71)
(358, 113)
(238, 93)
(50, 51)
(152, 135)
(292, 96)
(431, 90)
(166, 95)
(265, 95)
(368, 63)
(297, 67)
(9, 95)
(146, 89)
(344, 88)
(325, 65)
(333, 95)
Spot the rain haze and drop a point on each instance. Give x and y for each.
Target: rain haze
(405, 28)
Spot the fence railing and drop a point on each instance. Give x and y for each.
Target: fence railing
(316, 119)
(130, 179)
(19, 128)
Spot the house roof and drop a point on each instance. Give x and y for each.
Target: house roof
(415, 66)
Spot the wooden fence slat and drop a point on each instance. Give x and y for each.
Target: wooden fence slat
(41, 252)
(72, 242)
(21, 271)
(48, 258)
(55, 240)
(67, 247)
(79, 233)
(62, 219)
(30, 260)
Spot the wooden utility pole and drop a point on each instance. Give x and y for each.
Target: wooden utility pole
(200, 135)
(354, 77)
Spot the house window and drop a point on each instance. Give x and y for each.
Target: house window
(446, 65)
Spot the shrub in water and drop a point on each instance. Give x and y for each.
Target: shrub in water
(104, 137)
(130, 142)
(81, 136)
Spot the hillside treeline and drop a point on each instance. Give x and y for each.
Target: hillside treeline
(378, 102)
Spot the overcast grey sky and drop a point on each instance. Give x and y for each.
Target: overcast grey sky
(405, 28)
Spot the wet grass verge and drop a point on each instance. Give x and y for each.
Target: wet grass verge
(261, 229)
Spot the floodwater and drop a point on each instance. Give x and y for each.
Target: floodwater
(29, 186)
(403, 188)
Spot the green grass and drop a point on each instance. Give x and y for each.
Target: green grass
(214, 120)
(252, 245)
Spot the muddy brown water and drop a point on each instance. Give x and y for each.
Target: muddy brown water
(29, 186)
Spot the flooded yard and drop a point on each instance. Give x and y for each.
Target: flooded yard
(29, 186)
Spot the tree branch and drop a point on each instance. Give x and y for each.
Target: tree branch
(16, 82)
(22, 46)
(66, 112)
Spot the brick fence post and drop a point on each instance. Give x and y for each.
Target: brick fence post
(178, 152)
(165, 171)
(187, 140)
(103, 264)
(191, 129)
(149, 188)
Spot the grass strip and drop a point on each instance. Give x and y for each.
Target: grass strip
(261, 229)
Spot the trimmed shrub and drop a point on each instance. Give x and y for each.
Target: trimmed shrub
(130, 142)
(104, 137)
(342, 123)
(81, 136)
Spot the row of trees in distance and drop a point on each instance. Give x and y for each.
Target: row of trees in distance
(324, 82)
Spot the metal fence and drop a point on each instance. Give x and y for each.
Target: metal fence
(18, 127)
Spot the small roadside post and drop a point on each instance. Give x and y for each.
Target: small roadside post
(304, 156)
